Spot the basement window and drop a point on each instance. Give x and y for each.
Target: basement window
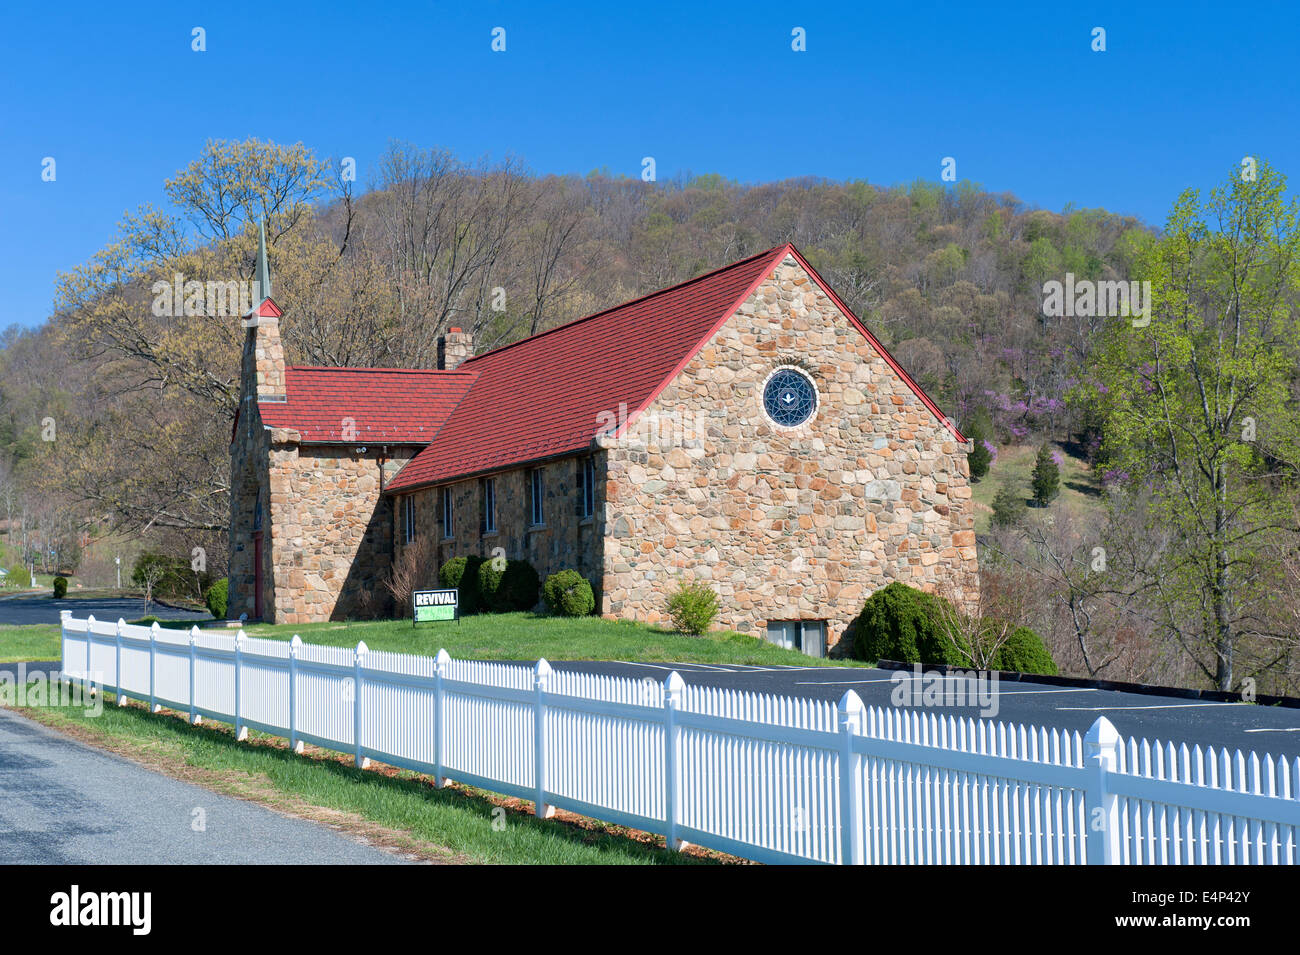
(806, 636)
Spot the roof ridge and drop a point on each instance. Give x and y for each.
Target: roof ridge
(633, 301)
(413, 371)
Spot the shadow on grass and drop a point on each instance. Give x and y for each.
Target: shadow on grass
(597, 835)
(1086, 489)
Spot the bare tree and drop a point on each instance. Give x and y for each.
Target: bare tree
(979, 628)
(408, 571)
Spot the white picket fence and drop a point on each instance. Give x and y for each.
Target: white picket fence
(767, 778)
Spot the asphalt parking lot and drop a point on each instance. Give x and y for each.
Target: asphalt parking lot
(1244, 726)
(42, 608)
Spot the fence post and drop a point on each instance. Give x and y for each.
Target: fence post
(295, 744)
(63, 644)
(85, 676)
(1102, 806)
(195, 718)
(439, 718)
(674, 687)
(117, 663)
(362, 650)
(153, 664)
(241, 731)
(541, 677)
(851, 718)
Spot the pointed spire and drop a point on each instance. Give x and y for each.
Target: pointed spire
(262, 270)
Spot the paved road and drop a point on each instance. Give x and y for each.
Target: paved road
(64, 802)
(1244, 726)
(45, 609)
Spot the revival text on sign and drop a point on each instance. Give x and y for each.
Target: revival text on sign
(436, 605)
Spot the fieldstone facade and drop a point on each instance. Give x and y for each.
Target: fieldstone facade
(785, 524)
(565, 540)
(788, 524)
(314, 513)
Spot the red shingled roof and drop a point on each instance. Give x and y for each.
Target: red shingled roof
(386, 405)
(542, 396)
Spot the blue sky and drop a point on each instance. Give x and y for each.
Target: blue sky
(883, 92)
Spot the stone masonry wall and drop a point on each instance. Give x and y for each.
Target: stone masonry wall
(248, 475)
(565, 541)
(331, 538)
(788, 524)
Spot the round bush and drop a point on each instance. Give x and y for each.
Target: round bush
(692, 607)
(509, 587)
(1024, 652)
(60, 587)
(568, 594)
(902, 623)
(461, 573)
(217, 598)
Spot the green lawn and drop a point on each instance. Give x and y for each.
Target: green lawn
(526, 636)
(395, 808)
(514, 636)
(1080, 491)
(36, 642)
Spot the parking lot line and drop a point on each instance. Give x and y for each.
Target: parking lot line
(1161, 706)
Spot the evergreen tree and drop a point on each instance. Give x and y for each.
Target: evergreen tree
(979, 458)
(1046, 479)
(1008, 505)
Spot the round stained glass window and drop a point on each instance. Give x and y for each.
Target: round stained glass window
(789, 397)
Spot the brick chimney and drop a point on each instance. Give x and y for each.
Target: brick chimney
(454, 348)
(262, 367)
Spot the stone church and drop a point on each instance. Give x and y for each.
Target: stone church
(743, 428)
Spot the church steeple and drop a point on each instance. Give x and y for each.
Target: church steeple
(262, 271)
(262, 377)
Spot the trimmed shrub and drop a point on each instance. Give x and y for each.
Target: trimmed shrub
(568, 594)
(60, 587)
(217, 597)
(902, 623)
(461, 573)
(692, 607)
(1025, 652)
(512, 587)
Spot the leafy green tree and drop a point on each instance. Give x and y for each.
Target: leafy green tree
(1199, 407)
(1046, 479)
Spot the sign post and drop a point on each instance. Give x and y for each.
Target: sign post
(427, 605)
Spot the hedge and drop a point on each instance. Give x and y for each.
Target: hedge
(568, 594)
(217, 598)
(510, 587)
(461, 573)
(901, 623)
